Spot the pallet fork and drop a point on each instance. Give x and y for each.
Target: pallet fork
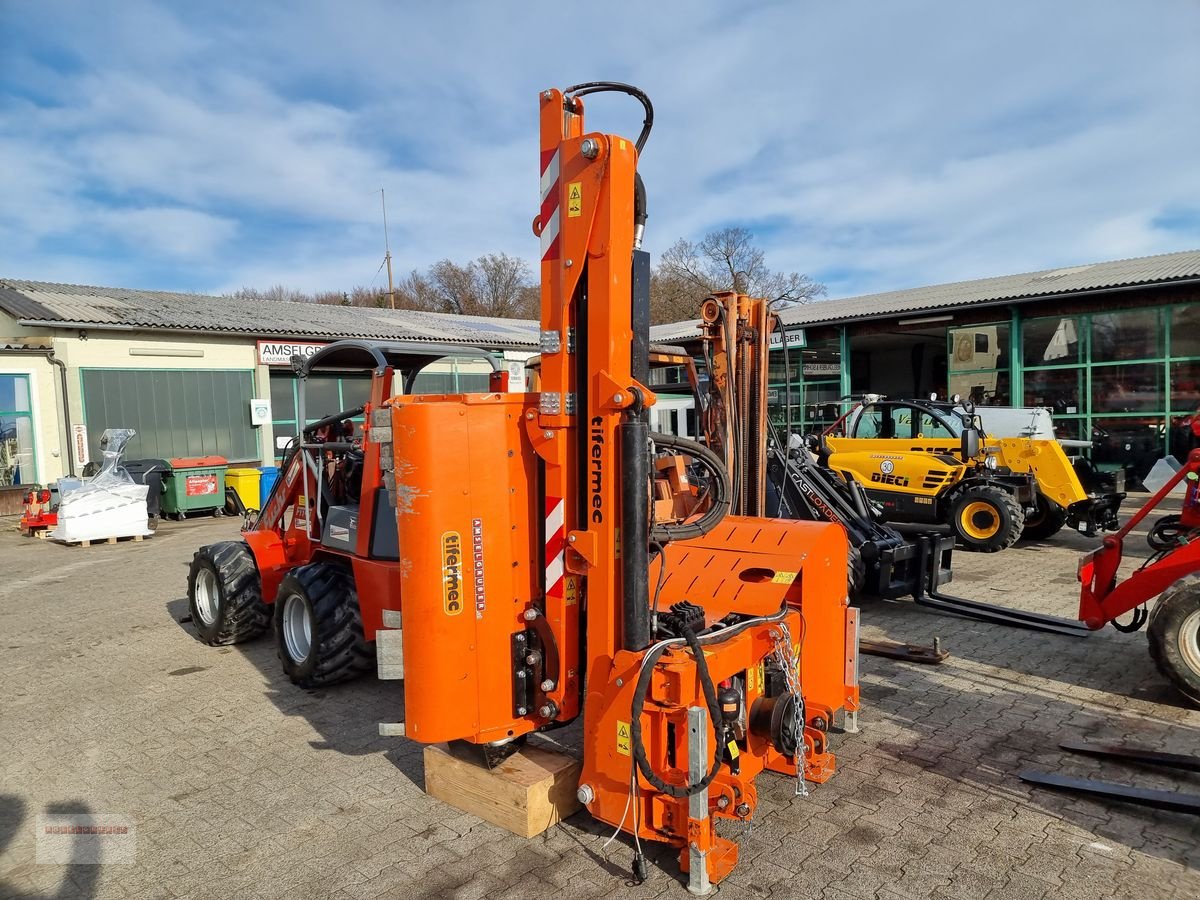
(1175, 801)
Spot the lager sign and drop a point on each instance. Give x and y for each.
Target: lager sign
(280, 353)
(795, 338)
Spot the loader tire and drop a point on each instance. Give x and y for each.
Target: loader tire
(986, 519)
(225, 594)
(856, 573)
(318, 627)
(1174, 634)
(1046, 520)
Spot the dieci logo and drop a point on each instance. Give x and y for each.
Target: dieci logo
(452, 573)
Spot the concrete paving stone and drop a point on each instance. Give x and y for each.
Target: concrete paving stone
(1045, 867)
(242, 785)
(862, 881)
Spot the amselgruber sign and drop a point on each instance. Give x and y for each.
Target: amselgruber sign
(280, 353)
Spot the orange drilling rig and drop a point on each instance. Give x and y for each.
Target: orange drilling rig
(539, 583)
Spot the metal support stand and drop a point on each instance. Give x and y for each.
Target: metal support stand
(698, 882)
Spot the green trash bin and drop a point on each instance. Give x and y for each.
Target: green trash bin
(194, 484)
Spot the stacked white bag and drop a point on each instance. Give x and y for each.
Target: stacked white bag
(109, 504)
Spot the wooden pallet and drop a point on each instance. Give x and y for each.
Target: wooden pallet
(136, 538)
(526, 794)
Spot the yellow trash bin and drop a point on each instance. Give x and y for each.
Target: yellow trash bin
(245, 484)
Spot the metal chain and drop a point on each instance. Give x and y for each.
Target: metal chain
(789, 662)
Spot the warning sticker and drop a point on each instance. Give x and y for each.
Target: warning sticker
(784, 577)
(572, 591)
(574, 199)
(623, 738)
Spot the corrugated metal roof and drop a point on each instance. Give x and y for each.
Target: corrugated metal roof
(675, 331)
(1166, 267)
(44, 303)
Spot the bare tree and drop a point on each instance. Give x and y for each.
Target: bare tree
(495, 284)
(455, 287)
(724, 260)
(503, 280)
(276, 292)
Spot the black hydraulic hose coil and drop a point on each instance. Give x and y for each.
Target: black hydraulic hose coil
(720, 494)
(714, 715)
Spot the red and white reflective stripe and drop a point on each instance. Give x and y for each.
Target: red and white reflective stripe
(556, 545)
(549, 215)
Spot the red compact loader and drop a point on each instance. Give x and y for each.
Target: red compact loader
(1172, 575)
(321, 561)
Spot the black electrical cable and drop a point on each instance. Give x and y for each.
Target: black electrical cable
(720, 507)
(597, 87)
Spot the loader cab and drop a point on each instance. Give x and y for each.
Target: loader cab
(344, 447)
(915, 426)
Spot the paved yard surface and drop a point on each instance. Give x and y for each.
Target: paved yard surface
(241, 785)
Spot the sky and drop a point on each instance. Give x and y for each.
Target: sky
(873, 146)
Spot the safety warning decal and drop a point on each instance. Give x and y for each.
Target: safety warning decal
(623, 737)
(574, 199)
(784, 577)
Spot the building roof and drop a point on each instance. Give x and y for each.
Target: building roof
(1146, 270)
(37, 303)
(1027, 286)
(675, 331)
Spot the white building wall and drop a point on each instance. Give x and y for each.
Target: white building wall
(103, 349)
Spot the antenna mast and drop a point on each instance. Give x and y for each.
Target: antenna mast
(387, 257)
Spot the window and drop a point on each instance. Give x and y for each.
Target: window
(1130, 334)
(1128, 389)
(979, 363)
(16, 432)
(1128, 378)
(876, 421)
(1185, 330)
(1051, 342)
(1057, 389)
(327, 394)
(816, 377)
(1185, 387)
(936, 428)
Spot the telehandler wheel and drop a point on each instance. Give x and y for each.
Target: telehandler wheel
(856, 572)
(986, 519)
(318, 627)
(225, 594)
(1174, 633)
(1046, 520)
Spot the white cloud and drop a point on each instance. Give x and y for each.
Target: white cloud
(887, 145)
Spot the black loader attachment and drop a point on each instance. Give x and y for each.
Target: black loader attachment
(883, 562)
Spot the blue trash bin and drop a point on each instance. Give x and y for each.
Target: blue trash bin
(270, 475)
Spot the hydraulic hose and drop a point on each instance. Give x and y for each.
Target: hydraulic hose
(714, 714)
(710, 697)
(720, 505)
(598, 87)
